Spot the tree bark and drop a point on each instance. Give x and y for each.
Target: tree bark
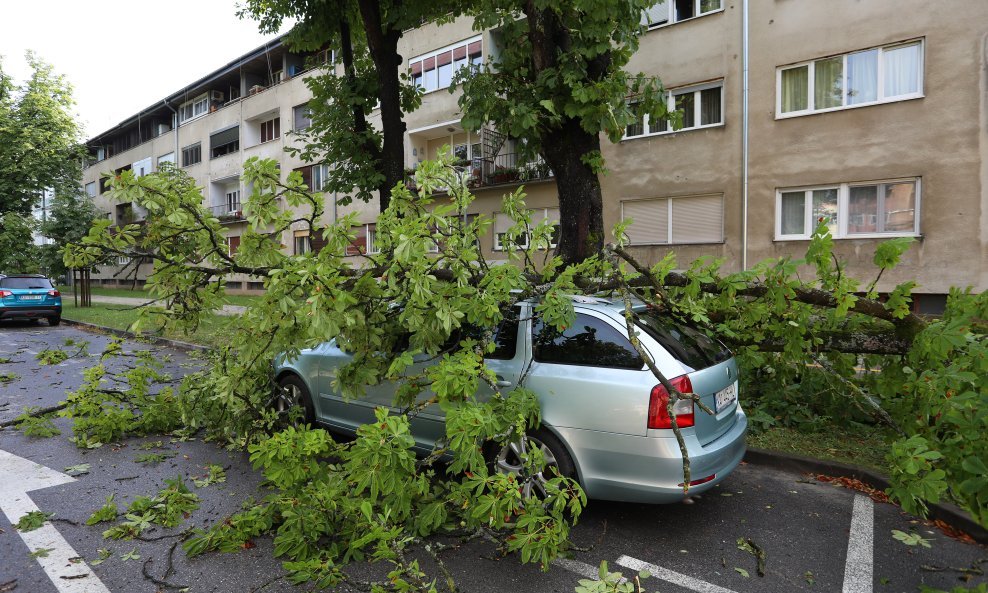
(581, 211)
(382, 41)
(349, 71)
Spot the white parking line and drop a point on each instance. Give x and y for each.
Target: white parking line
(581, 568)
(67, 571)
(686, 582)
(859, 570)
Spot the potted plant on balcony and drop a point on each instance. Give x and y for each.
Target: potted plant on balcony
(410, 178)
(505, 174)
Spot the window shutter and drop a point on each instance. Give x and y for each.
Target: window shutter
(416, 68)
(444, 58)
(359, 243)
(474, 49)
(306, 175)
(651, 221)
(429, 64)
(698, 219)
(460, 52)
(502, 223)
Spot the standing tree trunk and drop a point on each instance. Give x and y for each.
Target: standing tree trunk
(349, 71)
(578, 186)
(382, 41)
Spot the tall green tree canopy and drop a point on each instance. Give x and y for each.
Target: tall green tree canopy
(39, 137)
(558, 83)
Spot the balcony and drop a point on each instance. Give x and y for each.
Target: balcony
(228, 213)
(503, 169)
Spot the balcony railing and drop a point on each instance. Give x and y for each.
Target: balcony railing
(227, 213)
(503, 169)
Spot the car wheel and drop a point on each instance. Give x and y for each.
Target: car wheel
(53, 321)
(509, 460)
(293, 395)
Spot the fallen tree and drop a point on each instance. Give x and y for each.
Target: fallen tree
(429, 279)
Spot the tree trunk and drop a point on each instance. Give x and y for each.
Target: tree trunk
(580, 203)
(349, 71)
(382, 41)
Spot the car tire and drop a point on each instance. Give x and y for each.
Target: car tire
(293, 393)
(53, 321)
(558, 461)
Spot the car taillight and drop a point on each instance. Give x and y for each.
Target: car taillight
(658, 412)
(5, 293)
(54, 293)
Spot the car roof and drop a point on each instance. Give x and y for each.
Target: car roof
(23, 276)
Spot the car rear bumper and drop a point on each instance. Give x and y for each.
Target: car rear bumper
(32, 312)
(645, 469)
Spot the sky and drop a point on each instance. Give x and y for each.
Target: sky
(121, 56)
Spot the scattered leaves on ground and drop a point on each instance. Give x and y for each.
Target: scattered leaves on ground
(33, 520)
(77, 470)
(41, 552)
(51, 356)
(911, 539)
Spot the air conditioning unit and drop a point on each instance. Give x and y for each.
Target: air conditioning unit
(162, 129)
(255, 89)
(217, 96)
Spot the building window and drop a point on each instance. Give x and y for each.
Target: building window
(224, 142)
(166, 158)
(701, 106)
(673, 11)
(303, 244)
(502, 222)
(232, 245)
(91, 189)
(271, 129)
(681, 220)
(877, 75)
(232, 200)
(194, 108)
(192, 154)
(435, 70)
(363, 241)
(849, 209)
(320, 176)
(301, 117)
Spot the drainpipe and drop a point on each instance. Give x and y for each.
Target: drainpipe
(744, 134)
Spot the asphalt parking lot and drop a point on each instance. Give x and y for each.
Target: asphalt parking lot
(816, 537)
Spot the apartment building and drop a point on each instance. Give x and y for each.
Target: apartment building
(869, 115)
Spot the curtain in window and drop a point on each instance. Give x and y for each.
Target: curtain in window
(825, 209)
(793, 215)
(900, 207)
(862, 209)
(902, 67)
(795, 89)
(710, 106)
(862, 77)
(656, 14)
(685, 103)
(828, 82)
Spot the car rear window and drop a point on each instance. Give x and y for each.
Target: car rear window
(14, 282)
(686, 344)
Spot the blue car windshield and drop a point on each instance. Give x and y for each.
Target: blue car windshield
(25, 283)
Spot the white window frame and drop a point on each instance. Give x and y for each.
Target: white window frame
(91, 189)
(843, 205)
(319, 174)
(671, 106)
(230, 198)
(670, 19)
(882, 99)
(669, 218)
(194, 108)
(166, 158)
(456, 65)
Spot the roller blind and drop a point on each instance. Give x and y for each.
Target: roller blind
(698, 219)
(651, 221)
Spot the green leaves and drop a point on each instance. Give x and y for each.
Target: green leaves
(32, 520)
(889, 252)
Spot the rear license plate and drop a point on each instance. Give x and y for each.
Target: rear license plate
(31, 297)
(726, 397)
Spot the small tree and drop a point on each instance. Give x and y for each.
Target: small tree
(18, 253)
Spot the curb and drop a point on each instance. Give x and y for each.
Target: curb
(948, 513)
(157, 340)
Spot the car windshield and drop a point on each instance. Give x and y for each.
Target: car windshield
(15, 282)
(686, 344)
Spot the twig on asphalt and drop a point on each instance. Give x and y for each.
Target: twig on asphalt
(168, 571)
(34, 414)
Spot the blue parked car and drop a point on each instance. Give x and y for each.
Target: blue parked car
(604, 415)
(29, 296)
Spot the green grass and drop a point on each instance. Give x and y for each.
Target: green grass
(214, 330)
(865, 449)
(244, 300)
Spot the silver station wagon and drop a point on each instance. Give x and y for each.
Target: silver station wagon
(604, 418)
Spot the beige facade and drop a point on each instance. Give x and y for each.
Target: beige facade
(868, 115)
